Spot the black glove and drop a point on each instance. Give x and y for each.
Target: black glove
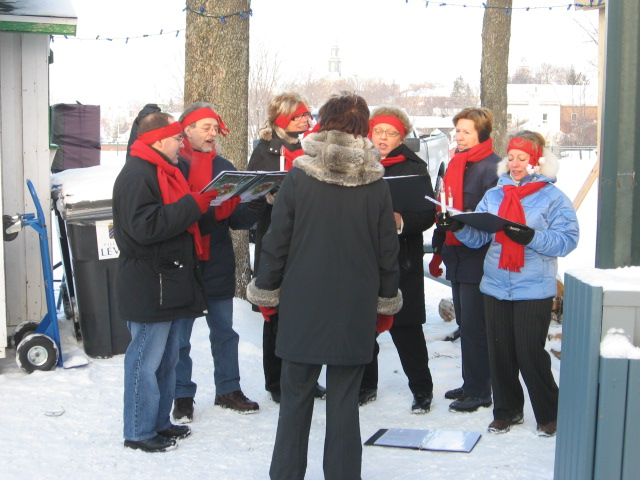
(447, 223)
(522, 235)
(258, 205)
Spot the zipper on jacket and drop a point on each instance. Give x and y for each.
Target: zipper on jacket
(160, 274)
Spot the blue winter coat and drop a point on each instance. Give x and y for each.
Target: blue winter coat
(551, 214)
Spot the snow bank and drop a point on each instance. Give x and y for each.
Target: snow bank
(616, 344)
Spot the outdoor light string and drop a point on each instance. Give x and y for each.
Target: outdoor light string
(248, 12)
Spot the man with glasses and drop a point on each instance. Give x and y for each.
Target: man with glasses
(200, 163)
(157, 278)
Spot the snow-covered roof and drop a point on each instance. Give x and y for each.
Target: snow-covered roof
(552, 94)
(57, 17)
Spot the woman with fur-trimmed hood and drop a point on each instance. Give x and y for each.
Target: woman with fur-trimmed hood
(388, 127)
(330, 262)
(519, 280)
(279, 145)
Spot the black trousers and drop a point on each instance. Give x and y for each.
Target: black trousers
(517, 332)
(342, 443)
(468, 304)
(414, 357)
(271, 364)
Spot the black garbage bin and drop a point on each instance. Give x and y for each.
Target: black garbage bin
(93, 256)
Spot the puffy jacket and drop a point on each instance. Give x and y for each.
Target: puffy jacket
(551, 214)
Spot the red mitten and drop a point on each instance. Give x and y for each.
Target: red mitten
(267, 312)
(226, 208)
(204, 199)
(385, 322)
(434, 265)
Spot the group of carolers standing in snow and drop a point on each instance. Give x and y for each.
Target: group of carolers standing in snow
(334, 266)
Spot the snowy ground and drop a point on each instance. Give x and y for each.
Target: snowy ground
(68, 423)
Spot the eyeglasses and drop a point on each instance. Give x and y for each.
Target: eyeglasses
(208, 128)
(178, 138)
(305, 115)
(389, 133)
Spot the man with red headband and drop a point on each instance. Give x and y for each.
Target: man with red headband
(157, 277)
(199, 163)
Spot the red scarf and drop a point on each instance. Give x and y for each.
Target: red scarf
(200, 174)
(512, 254)
(173, 185)
(290, 156)
(387, 162)
(453, 182)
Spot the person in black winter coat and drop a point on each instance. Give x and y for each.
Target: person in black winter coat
(279, 145)
(330, 262)
(471, 172)
(157, 277)
(389, 127)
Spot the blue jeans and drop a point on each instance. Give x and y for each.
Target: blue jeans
(149, 378)
(224, 350)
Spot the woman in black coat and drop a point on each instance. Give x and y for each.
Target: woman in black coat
(279, 145)
(330, 261)
(472, 171)
(389, 127)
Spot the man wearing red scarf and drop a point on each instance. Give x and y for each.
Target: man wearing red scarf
(199, 163)
(157, 277)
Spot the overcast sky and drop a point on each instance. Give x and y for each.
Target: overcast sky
(400, 41)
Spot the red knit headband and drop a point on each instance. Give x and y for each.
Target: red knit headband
(527, 146)
(391, 120)
(156, 134)
(201, 113)
(283, 120)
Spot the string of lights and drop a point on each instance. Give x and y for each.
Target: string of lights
(248, 12)
(508, 10)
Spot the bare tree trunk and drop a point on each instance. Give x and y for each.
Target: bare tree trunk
(217, 71)
(494, 72)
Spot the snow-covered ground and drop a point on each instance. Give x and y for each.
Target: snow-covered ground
(68, 423)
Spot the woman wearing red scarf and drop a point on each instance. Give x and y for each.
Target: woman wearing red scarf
(471, 172)
(287, 118)
(388, 127)
(519, 280)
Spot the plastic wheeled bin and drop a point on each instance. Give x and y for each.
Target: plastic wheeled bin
(83, 201)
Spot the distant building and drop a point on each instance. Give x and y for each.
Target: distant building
(334, 63)
(564, 114)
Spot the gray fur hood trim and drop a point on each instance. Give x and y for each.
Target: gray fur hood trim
(340, 158)
(547, 168)
(390, 306)
(262, 298)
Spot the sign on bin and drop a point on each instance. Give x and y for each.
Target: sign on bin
(107, 247)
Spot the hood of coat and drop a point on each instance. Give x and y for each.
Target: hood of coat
(340, 158)
(549, 167)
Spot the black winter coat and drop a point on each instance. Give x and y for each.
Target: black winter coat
(219, 272)
(411, 243)
(266, 157)
(330, 256)
(464, 264)
(157, 277)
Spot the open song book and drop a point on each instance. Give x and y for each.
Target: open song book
(248, 185)
(439, 440)
(486, 221)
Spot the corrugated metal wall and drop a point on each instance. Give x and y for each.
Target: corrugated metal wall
(577, 409)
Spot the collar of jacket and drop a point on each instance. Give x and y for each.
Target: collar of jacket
(340, 158)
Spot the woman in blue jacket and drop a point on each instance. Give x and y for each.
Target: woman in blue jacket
(519, 280)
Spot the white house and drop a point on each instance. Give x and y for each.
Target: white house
(26, 27)
(540, 107)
